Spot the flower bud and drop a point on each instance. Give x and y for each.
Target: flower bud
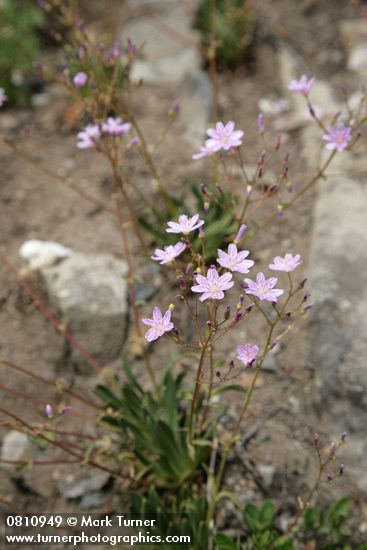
(341, 469)
(316, 439)
(49, 410)
(171, 307)
(227, 313)
(248, 190)
(260, 123)
(206, 206)
(280, 210)
(240, 233)
(343, 437)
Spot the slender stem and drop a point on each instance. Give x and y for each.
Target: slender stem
(66, 181)
(130, 267)
(60, 445)
(49, 383)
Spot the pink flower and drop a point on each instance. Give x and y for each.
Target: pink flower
(115, 126)
(303, 85)
(159, 325)
(168, 254)
(89, 136)
(80, 80)
(288, 263)
(3, 97)
(221, 137)
(234, 260)
(213, 285)
(263, 288)
(185, 224)
(247, 353)
(337, 137)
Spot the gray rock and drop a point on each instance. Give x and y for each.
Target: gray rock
(338, 277)
(72, 490)
(92, 500)
(267, 474)
(357, 60)
(15, 446)
(169, 69)
(196, 102)
(270, 363)
(90, 296)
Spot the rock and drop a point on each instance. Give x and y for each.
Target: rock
(270, 363)
(358, 58)
(267, 474)
(196, 103)
(89, 486)
(338, 277)
(170, 69)
(15, 446)
(41, 253)
(90, 297)
(92, 500)
(170, 56)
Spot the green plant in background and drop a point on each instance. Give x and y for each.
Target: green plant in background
(154, 430)
(233, 28)
(19, 21)
(215, 206)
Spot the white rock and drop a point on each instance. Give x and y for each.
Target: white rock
(15, 445)
(42, 253)
(358, 58)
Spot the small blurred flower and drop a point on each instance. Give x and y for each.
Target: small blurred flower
(303, 85)
(234, 260)
(49, 411)
(159, 325)
(168, 254)
(247, 353)
(115, 126)
(66, 409)
(185, 224)
(3, 97)
(116, 50)
(80, 80)
(213, 285)
(89, 136)
(263, 288)
(260, 123)
(288, 263)
(337, 137)
(134, 142)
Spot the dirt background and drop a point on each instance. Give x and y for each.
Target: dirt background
(34, 205)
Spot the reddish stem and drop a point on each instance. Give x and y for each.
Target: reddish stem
(49, 316)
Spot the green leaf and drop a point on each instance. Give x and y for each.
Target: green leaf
(251, 517)
(267, 514)
(222, 542)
